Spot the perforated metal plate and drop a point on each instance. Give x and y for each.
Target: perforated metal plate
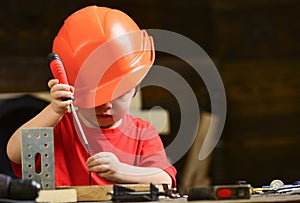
(38, 143)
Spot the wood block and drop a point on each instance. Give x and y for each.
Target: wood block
(100, 192)
(63, 195)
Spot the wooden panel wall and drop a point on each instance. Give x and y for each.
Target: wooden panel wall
(259, 63)
(254, 44)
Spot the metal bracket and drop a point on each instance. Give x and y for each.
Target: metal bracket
(38, 143)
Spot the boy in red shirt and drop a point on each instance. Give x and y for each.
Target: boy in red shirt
(106, 56)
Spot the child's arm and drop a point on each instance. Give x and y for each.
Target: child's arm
(48, 117)
(108, 166)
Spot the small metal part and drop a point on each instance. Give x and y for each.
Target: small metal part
(172, 192)
(124, 194)
(38, 143)
(276, 184)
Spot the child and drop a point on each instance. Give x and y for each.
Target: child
(123, 149)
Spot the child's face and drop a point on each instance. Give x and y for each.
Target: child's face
(106, 115)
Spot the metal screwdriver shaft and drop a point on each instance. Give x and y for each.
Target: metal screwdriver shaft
(87, 146)
(81, 132)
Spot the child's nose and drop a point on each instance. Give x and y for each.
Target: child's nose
(107, 105)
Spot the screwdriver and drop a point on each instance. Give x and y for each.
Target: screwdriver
(58, 72)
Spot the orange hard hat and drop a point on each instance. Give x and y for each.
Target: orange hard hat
(104, 52)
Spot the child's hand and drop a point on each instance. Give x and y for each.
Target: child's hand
(59, 94)
(106, 165)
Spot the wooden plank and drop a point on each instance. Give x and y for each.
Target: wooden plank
(63, 195)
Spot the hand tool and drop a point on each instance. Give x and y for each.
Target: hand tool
(58, 72)
(121, 193)
(18, 189)
(217, 192)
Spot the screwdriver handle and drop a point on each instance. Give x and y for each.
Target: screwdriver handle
(57, 68)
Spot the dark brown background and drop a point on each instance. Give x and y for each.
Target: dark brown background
(255, 46)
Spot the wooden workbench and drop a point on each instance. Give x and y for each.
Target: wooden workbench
(253, 199)
(100, 194)
(259, 199)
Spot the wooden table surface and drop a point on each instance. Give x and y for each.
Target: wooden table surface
(100, 194)
(253, 199)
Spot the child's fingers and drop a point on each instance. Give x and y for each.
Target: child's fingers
(61, 91)
(99, 168)
(62, 95)
(62, 87)
(106, 175)
(52, 82)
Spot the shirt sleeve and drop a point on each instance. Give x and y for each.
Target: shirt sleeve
(17, 169)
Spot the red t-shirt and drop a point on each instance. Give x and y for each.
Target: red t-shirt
(135, 142)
